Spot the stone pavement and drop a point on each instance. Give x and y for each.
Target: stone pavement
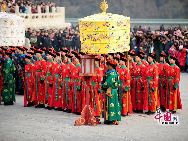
(29, 124)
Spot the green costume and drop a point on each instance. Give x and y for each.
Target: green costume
(9, 82)
(113, 107)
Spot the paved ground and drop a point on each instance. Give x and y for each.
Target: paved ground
(29, 124)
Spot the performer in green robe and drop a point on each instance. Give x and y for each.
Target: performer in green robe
(8, 93)
(110, 86)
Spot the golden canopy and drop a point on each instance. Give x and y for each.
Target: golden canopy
(104, 32)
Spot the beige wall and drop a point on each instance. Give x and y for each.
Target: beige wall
(47, 20)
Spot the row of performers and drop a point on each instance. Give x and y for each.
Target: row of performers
(129, 81)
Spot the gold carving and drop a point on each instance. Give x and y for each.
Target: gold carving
(104, 6)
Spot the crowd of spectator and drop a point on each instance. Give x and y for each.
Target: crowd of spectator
(68, 37)
(172, 40)
(10, 5)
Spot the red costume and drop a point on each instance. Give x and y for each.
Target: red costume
(138, 86)
(151, 97)
(68, 93)
(95, 99)
(63, 84)
(57, 92)
(40, 74)
(29, 82)
(125, 91)
(173, 100)
(50, 83)
(162, 68)
(77, 105)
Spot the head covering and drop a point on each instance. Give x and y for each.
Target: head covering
(4, 48)
(32, 48)
(13, 49)
(121, 53)
(104, 55)
(38, 51)
(82, 53)
(51, 49)
(111, 54)
(78, 56)
(57, 54)
(69, 55)
(140, 54)
(52, 52)
(8, 52)
(97, 58)
(28, 56)
(21, 48)
(116, 58)
(163, 54)
(123, 58)
(64, 50)
(43, 49)
(74, 52)
(31, 52)
(25, 49)
(152, 55)
(132, 52)
(112, 63)
(172, 57)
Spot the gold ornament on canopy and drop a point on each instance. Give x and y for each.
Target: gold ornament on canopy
(104, 32)
(104, 6)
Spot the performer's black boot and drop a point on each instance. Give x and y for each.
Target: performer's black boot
(5, 103)
(49, 108)
(58, 109)
(163, 109)
(173, 112)
(68, 110)
(78, 113)
(30, 104)
(108, 122)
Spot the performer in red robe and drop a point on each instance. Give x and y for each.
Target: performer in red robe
(130, 65)
(76, 106)
(138, 86)
(162, 69)
(151, 97)
(29, 81)
(63, 71)
(102, 63)
(57, 92)
(144, 61)
(173, 99)
(49, 83)
(116, 59)
(63, 83)
(130, 57)
(126, 104)
(95, 99)
(40, 73)
(68, 83)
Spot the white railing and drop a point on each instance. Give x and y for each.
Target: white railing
(47, 9)
(53, 19)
